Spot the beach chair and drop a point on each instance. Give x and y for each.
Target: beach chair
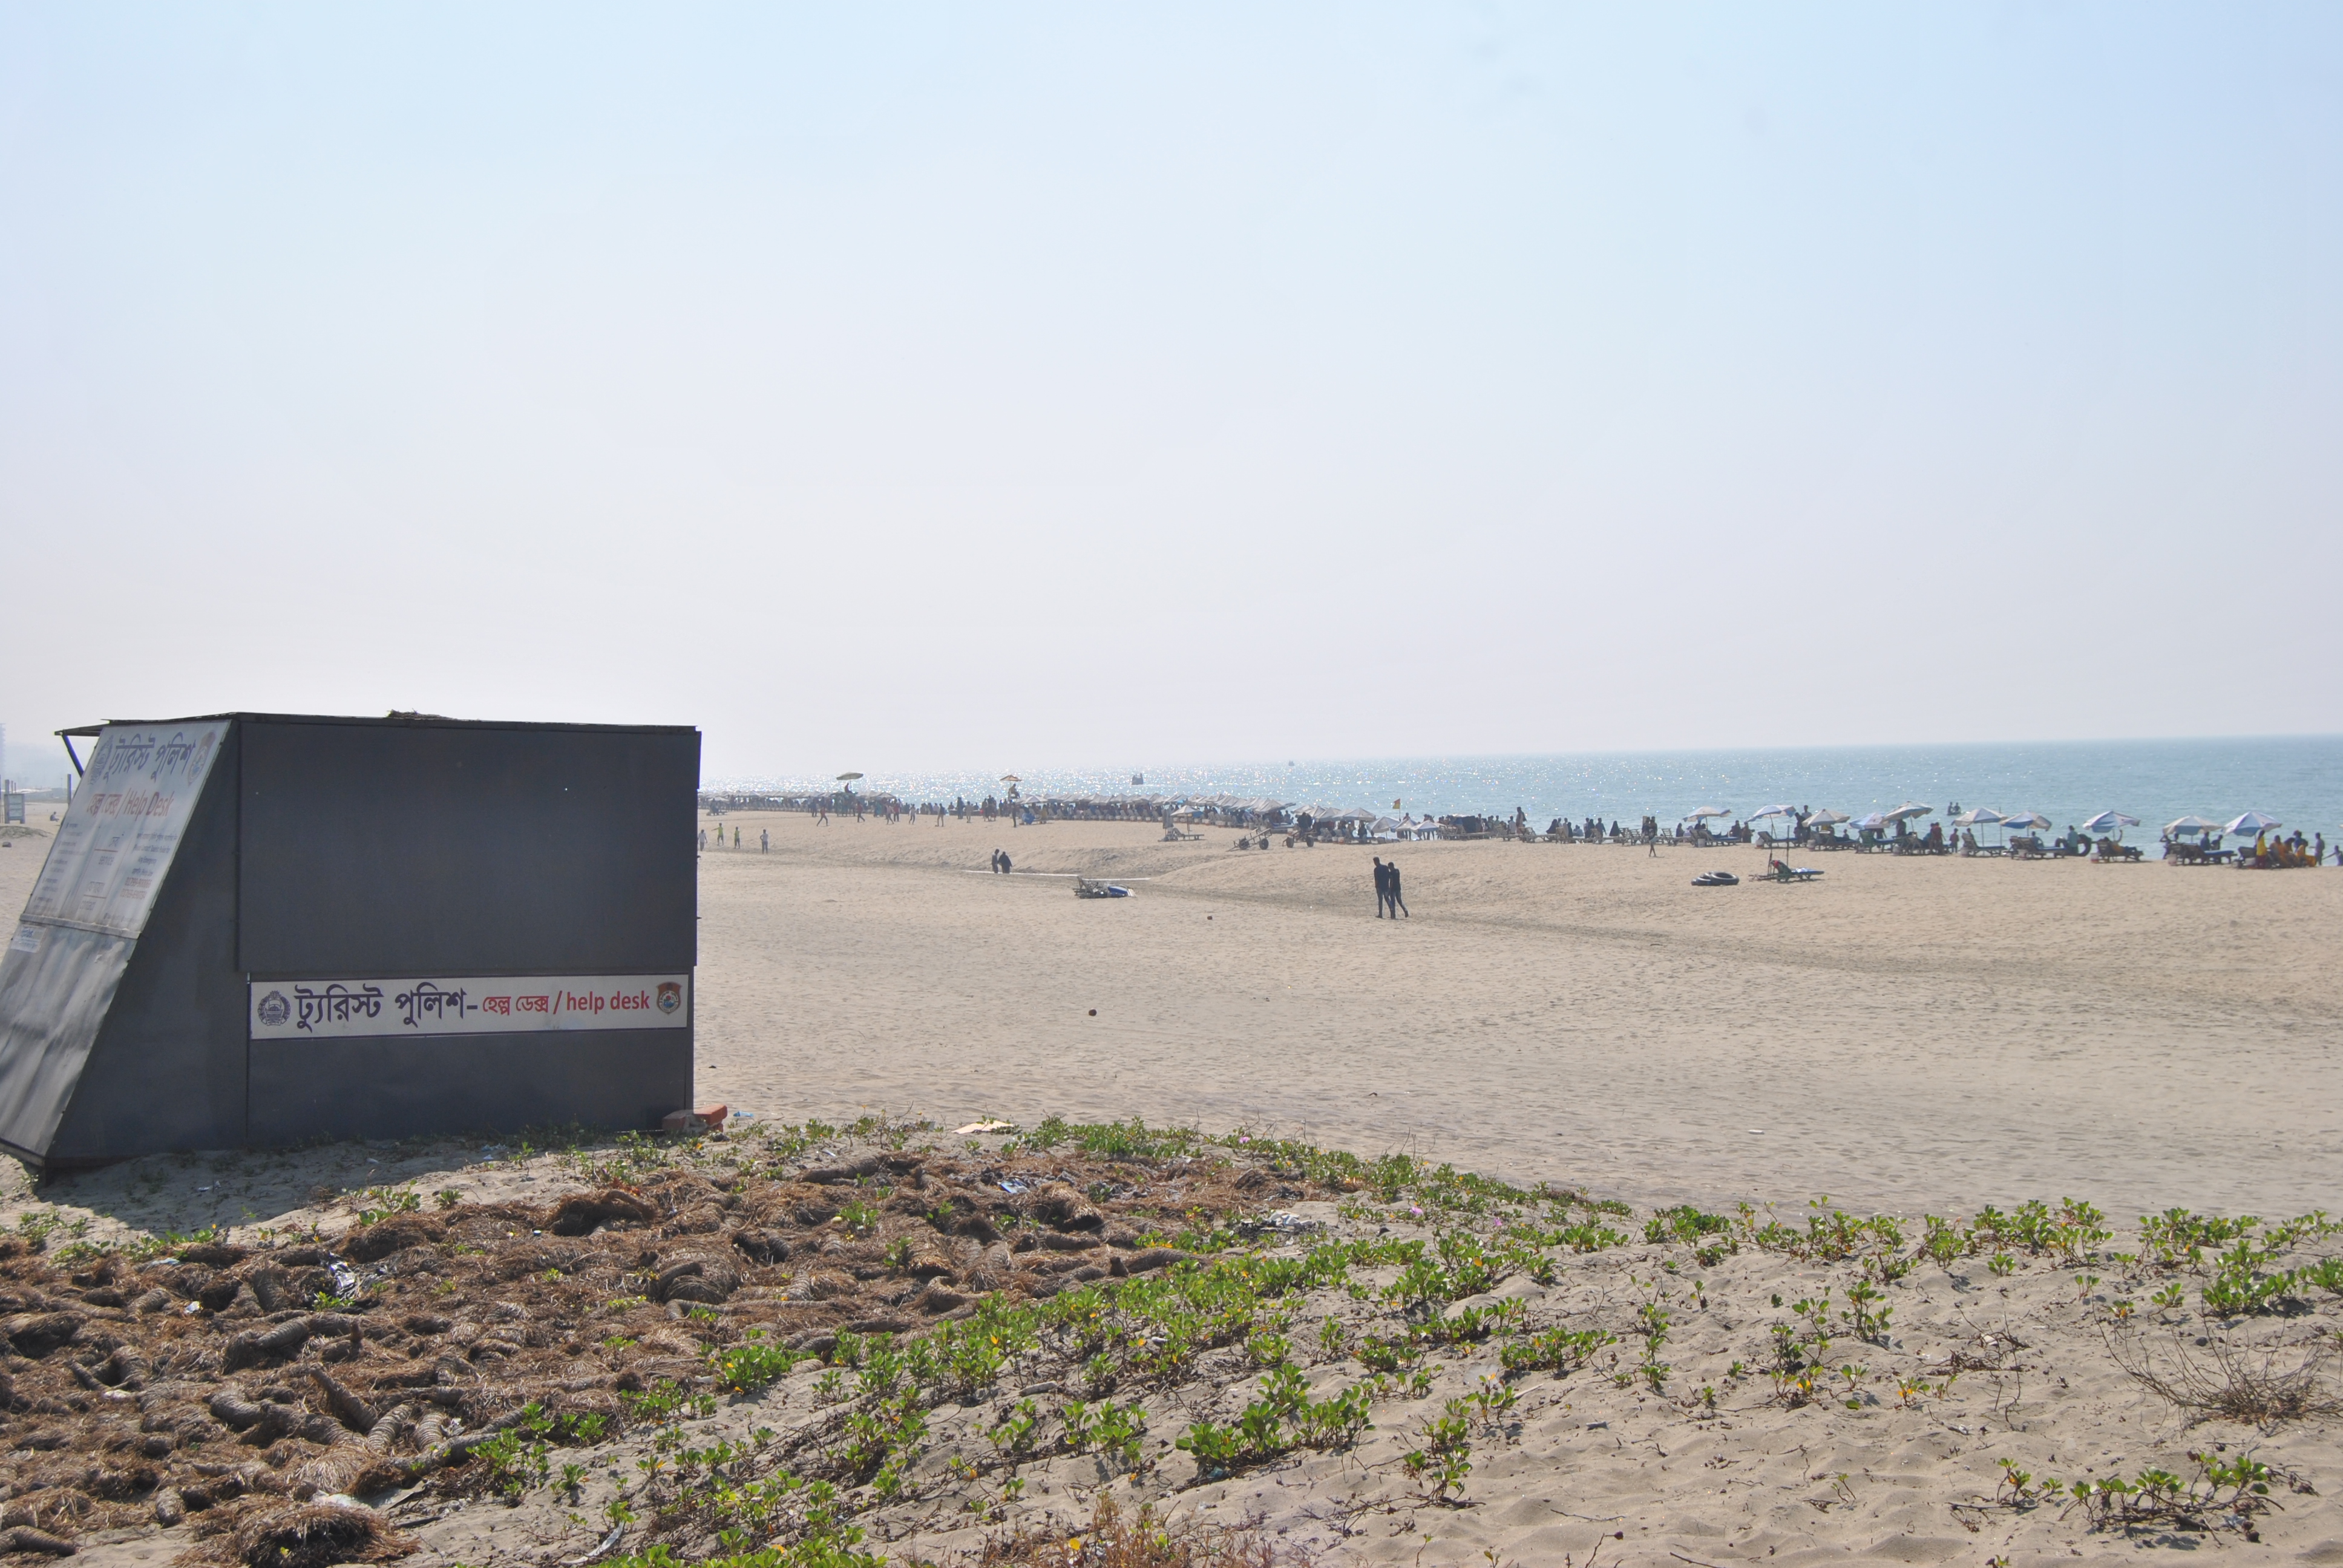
(1782, 871)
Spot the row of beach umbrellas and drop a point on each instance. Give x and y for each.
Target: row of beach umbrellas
(2246, 826)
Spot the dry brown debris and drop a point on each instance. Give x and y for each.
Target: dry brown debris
(252, 1380)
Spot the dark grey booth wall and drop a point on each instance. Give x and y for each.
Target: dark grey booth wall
(410, 849)
(397, 1088)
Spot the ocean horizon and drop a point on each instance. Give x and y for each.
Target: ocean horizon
(2299, 780)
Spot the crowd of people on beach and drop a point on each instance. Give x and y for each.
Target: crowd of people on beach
(1802, 827)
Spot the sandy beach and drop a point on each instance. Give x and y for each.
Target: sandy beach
(1902, 1034)
(1908, 1037)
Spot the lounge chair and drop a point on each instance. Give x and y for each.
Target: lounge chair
(1782, 871)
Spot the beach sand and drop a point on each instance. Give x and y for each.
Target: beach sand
(1906, 1034)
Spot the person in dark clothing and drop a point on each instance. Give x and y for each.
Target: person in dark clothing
(1391, 886)
(1382, 887)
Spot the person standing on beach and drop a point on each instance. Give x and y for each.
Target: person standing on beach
(1382, 887)
(764, 840)
(1391, 886)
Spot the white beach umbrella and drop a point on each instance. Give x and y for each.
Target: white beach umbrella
(1873, 823)
(1908, 810)
(1774, 811)
(2025, 819)
(2250, 824)
(1698, 812)
(1826, 818)
(2111, 822)
(2191, 825)
(1982, 817)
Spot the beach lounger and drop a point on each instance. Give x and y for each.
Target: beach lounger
(1781, 871)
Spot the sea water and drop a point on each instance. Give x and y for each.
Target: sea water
(2296, 779)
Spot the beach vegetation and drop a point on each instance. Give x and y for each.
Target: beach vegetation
(754, 1364)
(1686, 1225)
(1652, 1328)
(1440, 1464)
(1283, 1418)
(1112, 1431)
(2259, 1384)
(1866, 1313)
(2222, 1493)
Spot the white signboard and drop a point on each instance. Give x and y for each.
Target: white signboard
(349, 1009)
(124, 826)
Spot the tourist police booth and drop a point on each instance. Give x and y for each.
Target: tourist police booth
(254, 930)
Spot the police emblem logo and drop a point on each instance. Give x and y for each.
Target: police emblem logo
(274, 1008)
(671, 996)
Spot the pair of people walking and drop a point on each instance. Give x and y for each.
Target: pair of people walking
(1387, 898)
(999, 863)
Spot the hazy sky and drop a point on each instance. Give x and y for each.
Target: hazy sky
(888, 386)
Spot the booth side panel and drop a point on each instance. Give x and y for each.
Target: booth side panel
(52, 1003)
(402, 1087)
(167, 1069)
(373, 849)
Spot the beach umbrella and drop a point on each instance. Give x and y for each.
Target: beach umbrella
(2111, 822)
(2025, 819)
(1774, 811)
(1982, 817)
(844, 777)
(1827, 818)
(2251, 824)
(1697, 813)
(1873, 823)
(1906, 811)
(2191, 825)
(1005, 779)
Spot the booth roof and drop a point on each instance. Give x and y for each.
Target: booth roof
(390, 721)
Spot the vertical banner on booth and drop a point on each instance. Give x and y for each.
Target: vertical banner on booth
(123, 825)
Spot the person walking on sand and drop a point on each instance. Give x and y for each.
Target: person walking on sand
(1390, 884)
(1382, 887)
(764, 840)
